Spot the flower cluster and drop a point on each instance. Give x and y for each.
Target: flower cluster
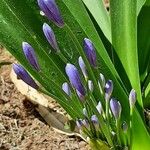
(101, 118)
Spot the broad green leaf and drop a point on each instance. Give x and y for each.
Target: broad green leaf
(123, 20)
(123, 24)
(100, 14)
(144, 41)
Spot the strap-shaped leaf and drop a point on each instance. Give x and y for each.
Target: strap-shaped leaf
(99, 12)
(144, 41)
(124, 40)
(140, 3)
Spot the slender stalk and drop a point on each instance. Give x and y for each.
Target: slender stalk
(62, 57)
(118, 130)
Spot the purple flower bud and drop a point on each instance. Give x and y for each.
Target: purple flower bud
(79, 123)
(90, 52)
(66, 88)
(22, 74)
(30, 55)
(102, 78)
(115, 108)
(50, 36)
(108, 89)
(132, 98)
(90, 85)
(99, 107)
(51, 10)
(85, 112)
(74, 78)
(124, 126)
(94, 119)
(83, 67)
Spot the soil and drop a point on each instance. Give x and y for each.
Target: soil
(21, 127)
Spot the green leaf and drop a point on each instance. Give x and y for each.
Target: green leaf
(140, 3)
(123, 21)
(100, 14)
(144, 41)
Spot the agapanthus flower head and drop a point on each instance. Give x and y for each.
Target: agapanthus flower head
(74, 78)
(115, 108)
(83, 67)
(108, 89)
(90, 85)
(102, 78)
(132, 98)
(30, 55)
(50, 8)
(66, 88)
(99, 107)
(90, 52)
(50, 36)
(23, 75)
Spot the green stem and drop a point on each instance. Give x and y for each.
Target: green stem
(118, 130)
(62, 57)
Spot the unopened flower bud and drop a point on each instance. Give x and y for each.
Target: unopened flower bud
(30, 55)
(51, 10)
(23, 75)
(99, 107)
(94, 119)
(90, 85)
(66, 88)
(108, 89)
(85, 112)
(132, 98)
(50, 36)
(79, 123)
(115, 108)
(83, 67)
(102, 78)
(74, 78)
(90, 52)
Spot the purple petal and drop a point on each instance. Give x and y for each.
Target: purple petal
(22, 74)
(74, 78)
(50, 36)
(90, 52)
(51, 10)
(30, 55)
(115, 108)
